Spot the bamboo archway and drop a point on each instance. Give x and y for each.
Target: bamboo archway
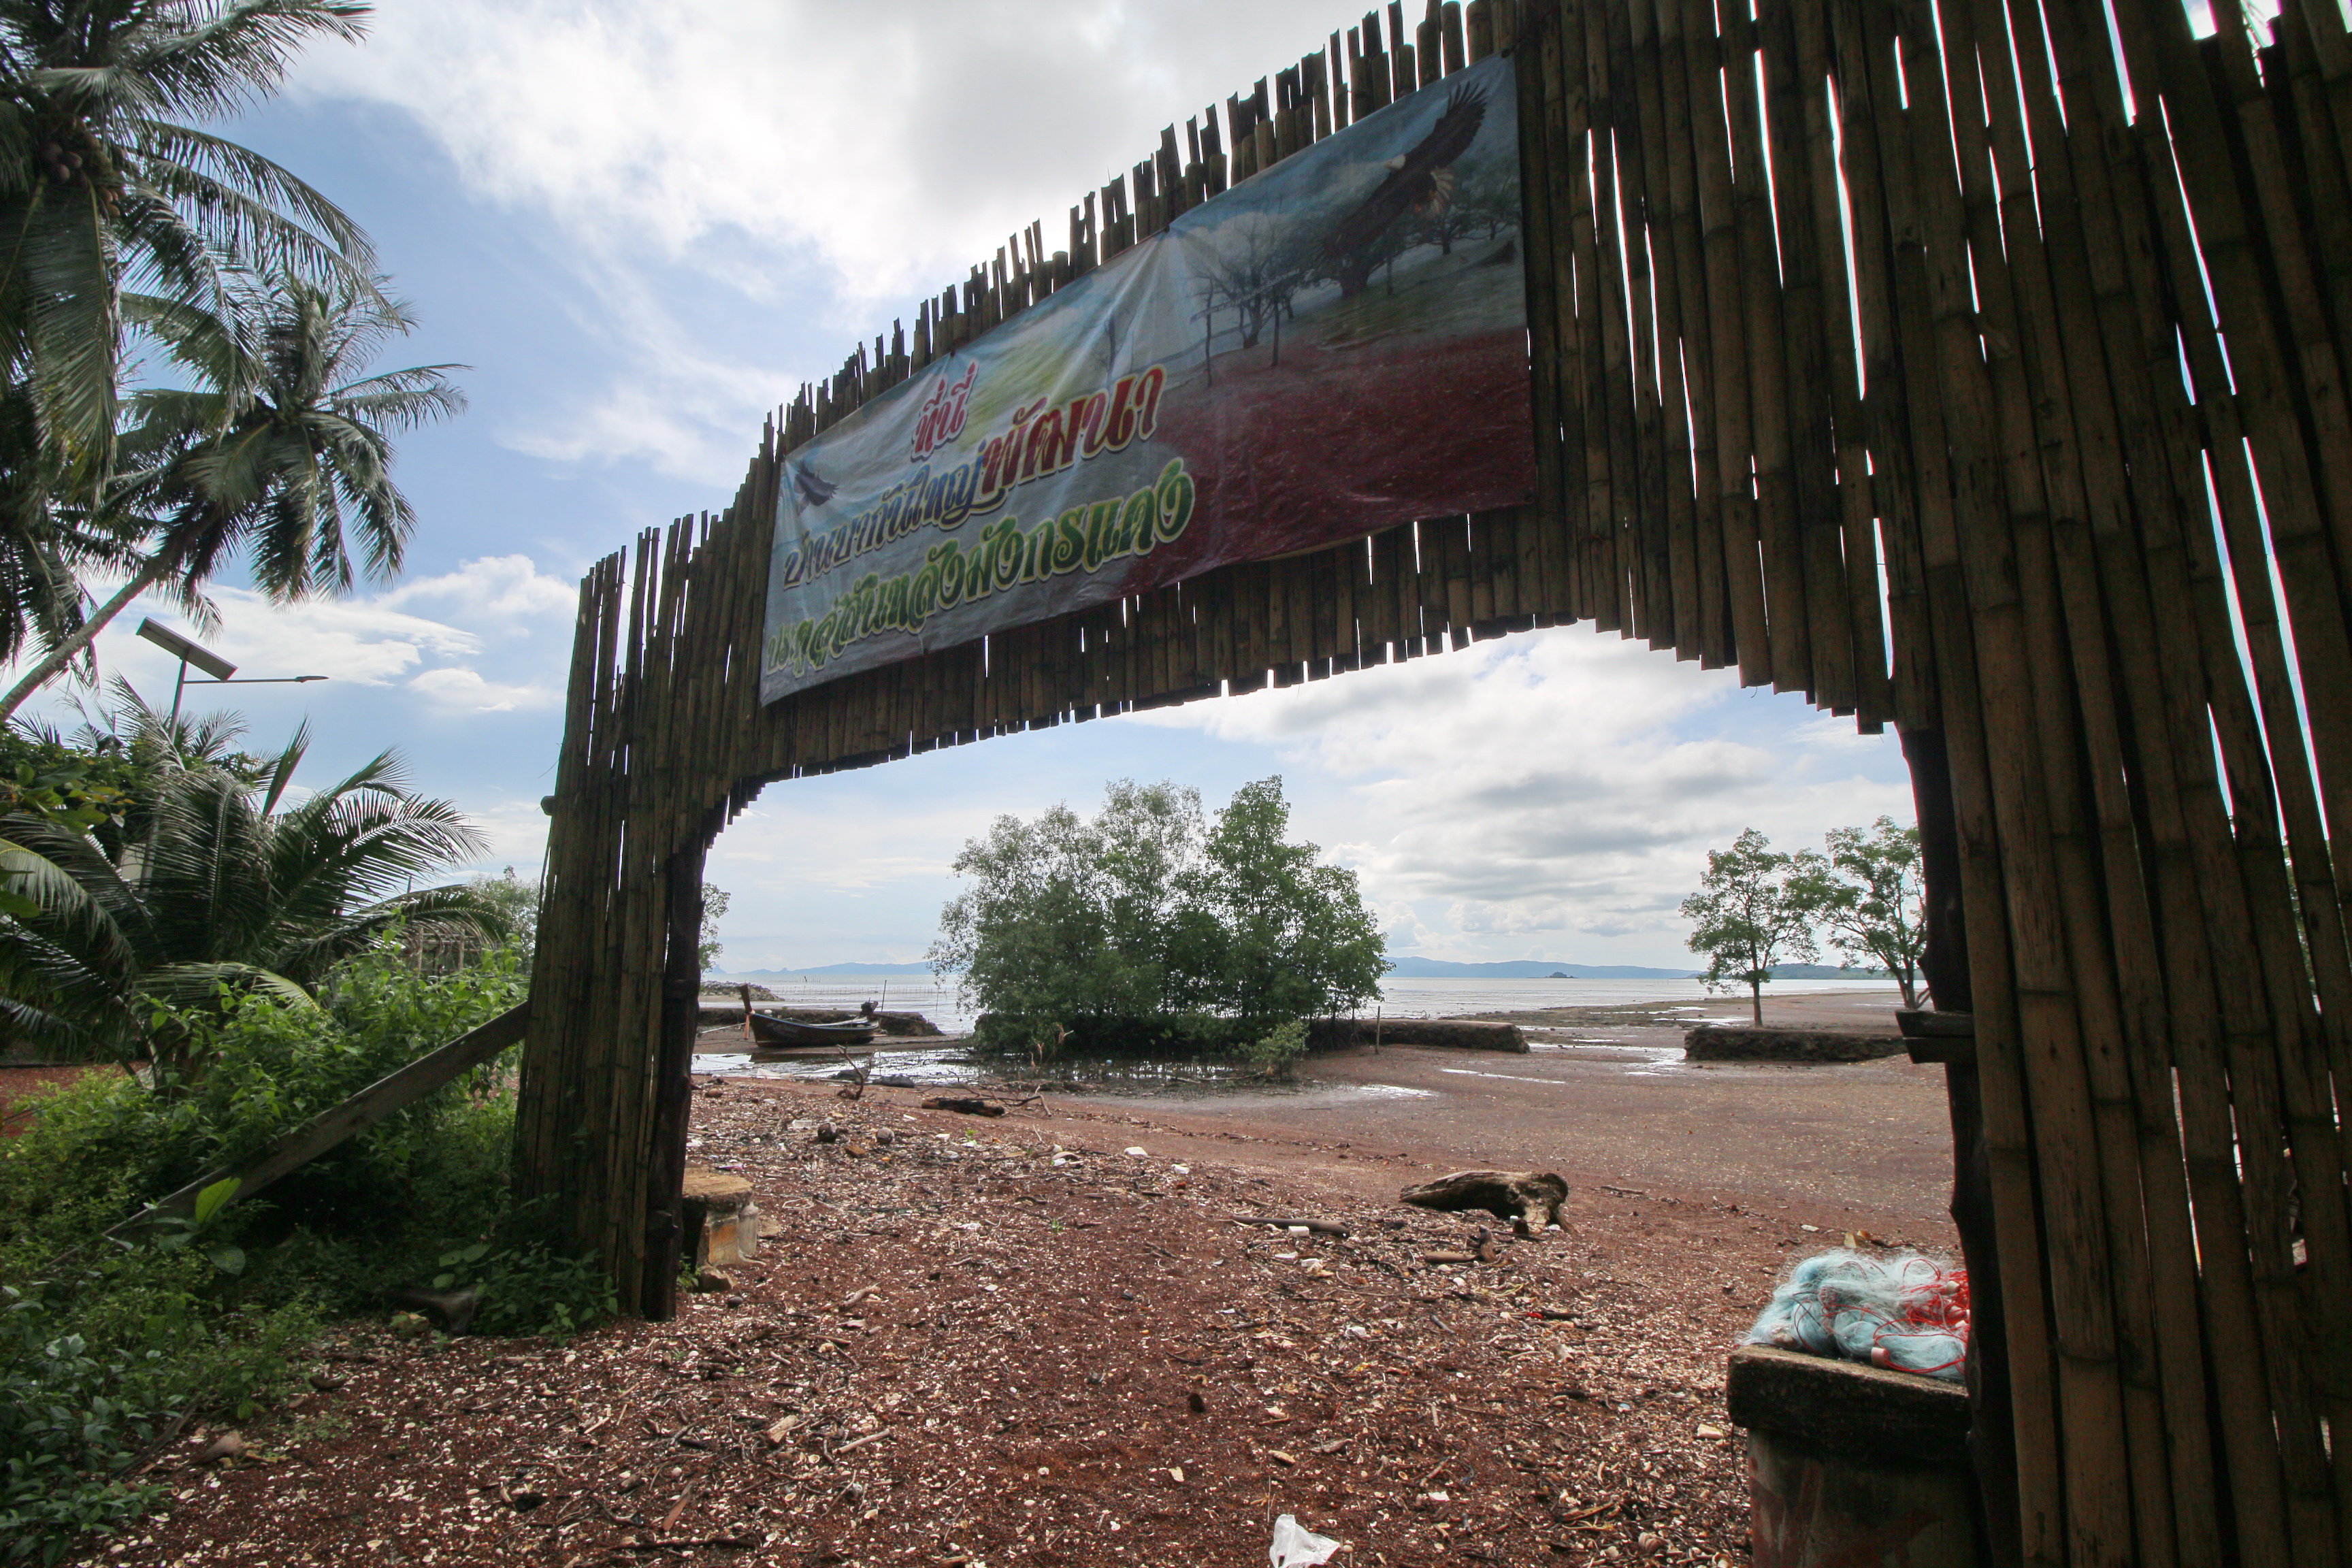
(1976, 367)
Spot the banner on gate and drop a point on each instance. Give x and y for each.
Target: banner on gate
(1334, 346)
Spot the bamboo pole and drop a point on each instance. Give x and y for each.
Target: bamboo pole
(1795, 116)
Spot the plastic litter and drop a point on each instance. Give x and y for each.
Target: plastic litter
(1294, 1544)
(1908, 1312)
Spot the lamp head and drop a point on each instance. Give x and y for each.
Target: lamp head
(181, 647)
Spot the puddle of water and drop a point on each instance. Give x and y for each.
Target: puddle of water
(1639, 1061)
(925, 1065)
(1513, 1076)
(951, 1063)
(1396, 1091)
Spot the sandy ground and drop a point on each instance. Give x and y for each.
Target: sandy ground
(1042, 1339)
(1605, 1098)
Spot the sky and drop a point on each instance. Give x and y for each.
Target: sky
(642, 225)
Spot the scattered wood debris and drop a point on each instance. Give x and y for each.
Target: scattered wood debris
(967, 1343)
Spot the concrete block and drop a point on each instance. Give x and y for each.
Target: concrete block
(723, 1222)
(1850, 1464)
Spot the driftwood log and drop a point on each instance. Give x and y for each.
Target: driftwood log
(1319, 1227)
(1532, 1196)
(968, 1105)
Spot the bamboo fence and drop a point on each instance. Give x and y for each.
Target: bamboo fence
(1975, 366)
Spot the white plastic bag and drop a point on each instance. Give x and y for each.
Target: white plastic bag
(1295, 1547)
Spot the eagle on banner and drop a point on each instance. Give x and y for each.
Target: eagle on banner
(1420, 182)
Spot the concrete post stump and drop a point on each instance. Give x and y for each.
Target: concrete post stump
(723, 1222)
(1853, 1466)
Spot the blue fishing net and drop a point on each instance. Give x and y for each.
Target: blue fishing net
(1903, 1310)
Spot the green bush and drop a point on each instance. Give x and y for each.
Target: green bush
(104, 1349)
(103, 1360)
(1153, 911)
(527, 1287)
(1278, 1049)
(267, 1066)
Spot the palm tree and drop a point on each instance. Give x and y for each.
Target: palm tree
(46, 548)
(238, 889)
(284, 440)
(150, 744)
(103, 184)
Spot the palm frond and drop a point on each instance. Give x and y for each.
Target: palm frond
(199, 154)
(195, 985)
(215, 348)
(456, 910)
(163, 253)
(211, 66)
(245, 228)
(281, 769)
(401, 399)
(62, 265)
(84, 907)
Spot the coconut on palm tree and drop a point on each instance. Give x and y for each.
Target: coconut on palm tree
(107, 182)
(237, 885)
(283, 450)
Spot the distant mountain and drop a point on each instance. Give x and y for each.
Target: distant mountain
(1407, 968)
(764, 975)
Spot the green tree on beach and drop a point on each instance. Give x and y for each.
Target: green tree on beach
(1065, 919)
(714, 910)
(1267, 933)
(1869, 893)
(1751, 911)
(1150, 912)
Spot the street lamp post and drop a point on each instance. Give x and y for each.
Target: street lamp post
(188, 651)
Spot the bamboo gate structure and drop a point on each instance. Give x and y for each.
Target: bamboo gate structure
(1974, 367)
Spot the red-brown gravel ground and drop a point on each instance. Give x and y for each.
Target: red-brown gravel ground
(976, 1343)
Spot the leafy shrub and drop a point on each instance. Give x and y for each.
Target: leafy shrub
(113, 1348)
(529, 1287)
(104, 1361)
(1278, 1049)
(1151, 911)
(271, 1064)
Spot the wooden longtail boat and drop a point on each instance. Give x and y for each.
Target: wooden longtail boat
(768, 1030)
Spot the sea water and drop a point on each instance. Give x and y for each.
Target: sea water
(1400, 998)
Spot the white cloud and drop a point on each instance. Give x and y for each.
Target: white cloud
(889, 143)
(359, 639)
(518, 834)
(768, 848)
(1537, 795)
(791, 157)
(455, 686)
(509, 587)
(375, 640)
